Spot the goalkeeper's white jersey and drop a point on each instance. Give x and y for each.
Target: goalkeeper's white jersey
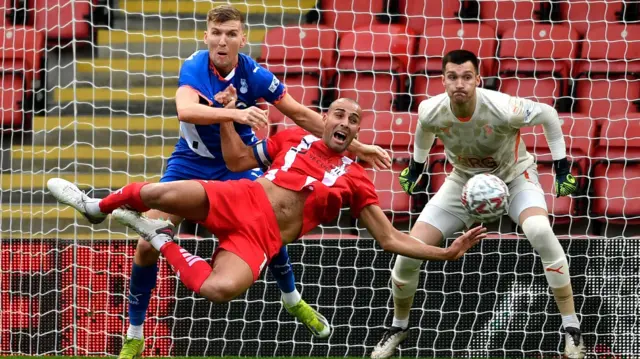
(488, 142)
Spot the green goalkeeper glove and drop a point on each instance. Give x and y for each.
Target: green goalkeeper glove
(410, 177)
(566, 184)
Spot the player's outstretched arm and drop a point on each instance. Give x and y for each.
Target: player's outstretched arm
(237, 155)
(395, 241)
(312, 122)
(191, 110)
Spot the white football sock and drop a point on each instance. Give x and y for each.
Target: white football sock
(93, 208)
(400, 323)
(570, 321)
(135, 331)
(291, 299)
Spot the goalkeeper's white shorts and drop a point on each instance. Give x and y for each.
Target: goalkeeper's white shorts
(445, 212)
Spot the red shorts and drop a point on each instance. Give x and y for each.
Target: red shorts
(240, 215)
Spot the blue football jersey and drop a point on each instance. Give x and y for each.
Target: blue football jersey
(199, 150)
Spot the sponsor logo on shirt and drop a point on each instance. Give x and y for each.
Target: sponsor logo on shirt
(478, 162)
(274, 84)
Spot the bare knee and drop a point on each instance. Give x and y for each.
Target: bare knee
(145, 254)
(219, 290)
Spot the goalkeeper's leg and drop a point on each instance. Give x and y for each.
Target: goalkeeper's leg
(528, 208)
(441, 218)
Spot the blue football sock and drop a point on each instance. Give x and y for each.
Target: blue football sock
(143, 280)
(282, 271)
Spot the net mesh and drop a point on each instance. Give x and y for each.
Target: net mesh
(88, 93)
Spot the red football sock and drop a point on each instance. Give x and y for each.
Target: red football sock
(128, 195)
(192, 270)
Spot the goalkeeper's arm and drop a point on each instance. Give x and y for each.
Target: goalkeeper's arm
(547, 116)
(410, 176)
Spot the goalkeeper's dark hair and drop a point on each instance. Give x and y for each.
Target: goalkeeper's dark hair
(459, 57)
(224, 13)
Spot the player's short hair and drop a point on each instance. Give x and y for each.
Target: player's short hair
(459, 57)
(224, 13)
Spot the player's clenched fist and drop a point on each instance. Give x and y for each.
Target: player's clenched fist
(566, 184)
(252, 116)
(410, 177)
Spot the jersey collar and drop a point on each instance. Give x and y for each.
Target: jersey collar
(228, 77)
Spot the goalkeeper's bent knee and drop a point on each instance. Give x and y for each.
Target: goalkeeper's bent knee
(405, 277)
(544, 241)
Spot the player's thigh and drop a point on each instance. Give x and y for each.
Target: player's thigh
(185, 199)
(231, 276)
(526, 197)
(252, 175)
(444, 212)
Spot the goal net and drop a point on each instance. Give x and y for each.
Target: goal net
(88, 92)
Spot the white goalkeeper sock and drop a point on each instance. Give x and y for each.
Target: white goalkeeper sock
(400, 323)
(570, 321)
(291, 299)
(135, 331)
(93, 207)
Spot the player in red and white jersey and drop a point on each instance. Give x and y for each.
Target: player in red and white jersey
(308, 181)
(480, 130)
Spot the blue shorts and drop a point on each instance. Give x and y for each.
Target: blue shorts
(178, 173)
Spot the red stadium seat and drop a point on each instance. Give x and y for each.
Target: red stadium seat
(372, 65)
(11, 98)
(504, 15)
(584, 15)
(544, 90)
(601, 97)
(619, 139)
(607, 83)
(63, 20)
(304, 59)
(419, 16)
(391, 131)
(539, 50)
(617, 171)
(393, 200)
(424, 87)
(22, 50)
(615, 190)
(439, 40)
(346, 16)
(612, 49)
(308, 49)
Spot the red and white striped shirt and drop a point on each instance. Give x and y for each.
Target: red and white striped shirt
(300, 161)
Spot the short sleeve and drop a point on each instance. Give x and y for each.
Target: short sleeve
(267, 86)
(364, 193)
(188, 75)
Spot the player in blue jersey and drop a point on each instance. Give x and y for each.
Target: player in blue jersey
(198, 153)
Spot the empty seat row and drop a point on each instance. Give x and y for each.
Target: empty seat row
(501, 15)
(537, 60)
(60, 20)
(22, 51)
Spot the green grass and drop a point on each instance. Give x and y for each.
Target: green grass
(97, 357)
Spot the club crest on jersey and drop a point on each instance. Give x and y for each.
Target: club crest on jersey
(243, 86)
